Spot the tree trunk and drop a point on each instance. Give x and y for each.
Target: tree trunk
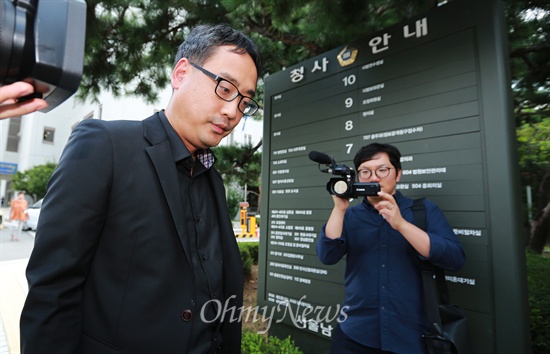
(540, 227)
(540, 230)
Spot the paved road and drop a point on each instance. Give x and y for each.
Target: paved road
(14, 256)
(11, 250)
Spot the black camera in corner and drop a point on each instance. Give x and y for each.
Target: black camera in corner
(42, 42)
(344, 185)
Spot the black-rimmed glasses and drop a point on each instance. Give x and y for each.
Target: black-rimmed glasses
(381, 172)
(227, 91)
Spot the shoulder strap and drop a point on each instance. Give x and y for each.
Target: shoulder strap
(430, 299)
(430, 295)
(419, 211)
(428, 273)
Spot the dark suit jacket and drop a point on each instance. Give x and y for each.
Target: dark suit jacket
(110, 270)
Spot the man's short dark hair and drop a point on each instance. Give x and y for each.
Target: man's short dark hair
(201, 42)
(366, 153)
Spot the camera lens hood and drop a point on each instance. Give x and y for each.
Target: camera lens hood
(16, 39)
(42, 42)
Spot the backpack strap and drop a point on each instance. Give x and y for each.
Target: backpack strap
(436, 294)
(419, 211)
(431, 292)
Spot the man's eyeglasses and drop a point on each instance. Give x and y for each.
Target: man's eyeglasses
(381, 172)
(228, 92)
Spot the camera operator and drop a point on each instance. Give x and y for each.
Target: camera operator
(384, 256)
(9, 104)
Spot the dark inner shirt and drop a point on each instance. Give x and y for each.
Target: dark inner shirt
(203, 236)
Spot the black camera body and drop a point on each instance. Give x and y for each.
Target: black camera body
(42, 42)
(344, 186)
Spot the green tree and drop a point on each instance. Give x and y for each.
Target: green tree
(534, 152)
(234, 197)
(35, 180)
(131, 43)
(240, 167)
(529, 42)
(240, 164)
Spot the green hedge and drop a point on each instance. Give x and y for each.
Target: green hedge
(253, 343)
(249, 255)
(538, 278)
(252, 248)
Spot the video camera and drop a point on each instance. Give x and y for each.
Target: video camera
(345, 185)
(42, 42)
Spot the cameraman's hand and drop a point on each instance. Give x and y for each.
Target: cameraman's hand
(387, 207)
(9, 107)
(340, 203)
(335, 222)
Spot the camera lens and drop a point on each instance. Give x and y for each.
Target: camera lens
(16, 39)
(340, 187)
(7, 24)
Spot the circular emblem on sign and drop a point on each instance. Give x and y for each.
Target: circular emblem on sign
(347, 56)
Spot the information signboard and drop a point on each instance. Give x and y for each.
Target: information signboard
(7, 168)
(437, 87)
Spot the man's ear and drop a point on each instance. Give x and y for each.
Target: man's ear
(180, 72)
(398, 177)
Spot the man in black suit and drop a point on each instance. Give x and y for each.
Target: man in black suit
(135, 251)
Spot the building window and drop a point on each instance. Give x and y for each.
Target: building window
(13, 135)
(48, 135)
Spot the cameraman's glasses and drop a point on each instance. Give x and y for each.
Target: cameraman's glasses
(227, 91)
(381, 172)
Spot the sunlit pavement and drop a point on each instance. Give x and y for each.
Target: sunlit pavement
(14, 256)
(13, 287)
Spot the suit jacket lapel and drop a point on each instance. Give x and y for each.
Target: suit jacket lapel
(160, 153)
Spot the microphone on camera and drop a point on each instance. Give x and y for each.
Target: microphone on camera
(319, 157)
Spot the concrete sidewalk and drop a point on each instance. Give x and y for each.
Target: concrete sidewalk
(13, 287)
(14, 256)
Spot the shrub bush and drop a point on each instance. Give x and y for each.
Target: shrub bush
(538, 279)
(253, 343)
(252, 248)
(247, 260)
